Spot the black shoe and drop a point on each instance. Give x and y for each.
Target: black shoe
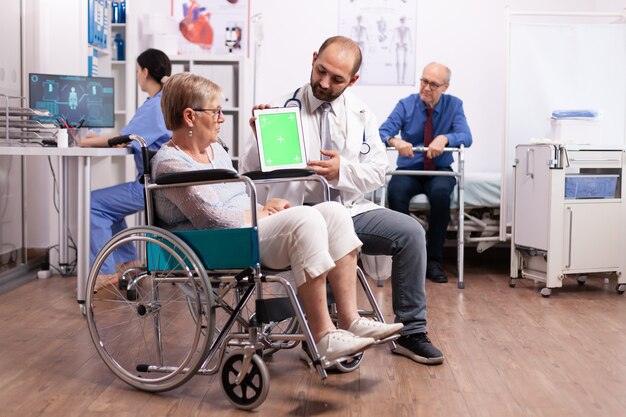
(417, 346)
(435, 273)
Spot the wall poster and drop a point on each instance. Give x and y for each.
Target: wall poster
(385, 31)
(216, 26)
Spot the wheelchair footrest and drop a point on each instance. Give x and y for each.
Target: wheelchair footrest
(391, 338)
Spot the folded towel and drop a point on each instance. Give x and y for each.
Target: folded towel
(574, 114)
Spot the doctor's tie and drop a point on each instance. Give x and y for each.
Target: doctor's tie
(429, 164)
(326, 141)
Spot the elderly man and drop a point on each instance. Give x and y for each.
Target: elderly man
(434, 120)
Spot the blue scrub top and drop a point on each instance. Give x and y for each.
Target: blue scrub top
(148, 123)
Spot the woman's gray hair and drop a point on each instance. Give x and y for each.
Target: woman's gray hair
(182, 91)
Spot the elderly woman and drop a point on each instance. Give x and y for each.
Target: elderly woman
(316, 242)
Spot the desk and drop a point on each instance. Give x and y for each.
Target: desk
(84, 156)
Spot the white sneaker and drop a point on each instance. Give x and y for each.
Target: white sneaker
(339, 343)
(363, 327)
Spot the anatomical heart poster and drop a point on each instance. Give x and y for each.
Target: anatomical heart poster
(214, 26)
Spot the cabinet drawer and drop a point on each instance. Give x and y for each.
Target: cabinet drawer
(595, 159)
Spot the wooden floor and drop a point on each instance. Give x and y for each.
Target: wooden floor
(509, 352)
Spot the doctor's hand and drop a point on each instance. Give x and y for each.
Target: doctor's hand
(252, 120)
(436, 147)
(403, 147)
(329, 168)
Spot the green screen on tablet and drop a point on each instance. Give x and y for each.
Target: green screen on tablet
(279, 137)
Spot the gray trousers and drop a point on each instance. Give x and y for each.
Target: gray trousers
(387, 232)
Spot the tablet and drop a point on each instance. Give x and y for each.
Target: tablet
(279, 138)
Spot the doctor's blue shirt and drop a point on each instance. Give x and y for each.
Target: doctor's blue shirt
(409, 118)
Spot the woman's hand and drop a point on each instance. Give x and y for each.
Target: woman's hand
(274, 205)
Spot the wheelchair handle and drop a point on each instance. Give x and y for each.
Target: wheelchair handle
(118, 140)
(145, 157)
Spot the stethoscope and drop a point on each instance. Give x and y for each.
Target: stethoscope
(294, 101)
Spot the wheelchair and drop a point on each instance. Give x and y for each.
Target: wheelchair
(198, 301)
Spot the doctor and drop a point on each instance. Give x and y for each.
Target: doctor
(354, 161)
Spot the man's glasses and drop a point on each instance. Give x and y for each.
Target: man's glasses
(432, 85)
(217, 112)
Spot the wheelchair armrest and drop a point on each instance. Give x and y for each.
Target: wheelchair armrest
(279, 174)
(196, 176)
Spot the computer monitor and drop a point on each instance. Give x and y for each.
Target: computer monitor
(74, 99)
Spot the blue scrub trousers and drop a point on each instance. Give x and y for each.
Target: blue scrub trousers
(109, 207)
(438, 189)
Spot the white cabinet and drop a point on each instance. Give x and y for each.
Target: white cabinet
(227, 72)
(569, 214)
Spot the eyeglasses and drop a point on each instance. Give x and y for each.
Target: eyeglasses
(432, 85)
(217, 112)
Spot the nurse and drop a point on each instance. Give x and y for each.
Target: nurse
(109, 206)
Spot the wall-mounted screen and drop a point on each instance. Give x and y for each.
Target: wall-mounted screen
(85, 101)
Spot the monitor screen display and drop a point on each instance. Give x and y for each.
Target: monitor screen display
(84, 101)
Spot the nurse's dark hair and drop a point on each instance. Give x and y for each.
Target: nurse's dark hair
(157, 63)
(186, 90)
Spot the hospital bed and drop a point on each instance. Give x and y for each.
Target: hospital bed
(481, 209)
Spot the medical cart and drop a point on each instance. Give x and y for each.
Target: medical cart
(569, 216)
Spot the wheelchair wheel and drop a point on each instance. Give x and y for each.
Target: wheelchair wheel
(145, 334)
(252, 390)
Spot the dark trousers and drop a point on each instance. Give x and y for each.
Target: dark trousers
(438, 189)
